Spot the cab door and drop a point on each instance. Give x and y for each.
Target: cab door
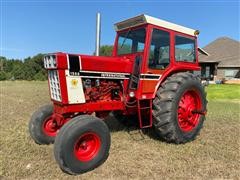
(157, 61)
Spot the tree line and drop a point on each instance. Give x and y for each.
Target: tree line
(31, 68)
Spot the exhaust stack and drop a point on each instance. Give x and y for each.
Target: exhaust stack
(98, 32)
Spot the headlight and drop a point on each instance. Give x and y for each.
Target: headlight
(131, 94)
(50, 61)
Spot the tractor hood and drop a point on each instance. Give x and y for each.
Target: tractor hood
(106, 64)
(77, 63)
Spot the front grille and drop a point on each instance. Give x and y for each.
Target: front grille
(54, 85)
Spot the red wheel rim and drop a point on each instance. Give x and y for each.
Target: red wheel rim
(87, 146)
(189, 102)
(50, 127)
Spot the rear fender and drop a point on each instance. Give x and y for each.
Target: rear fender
(173, 70)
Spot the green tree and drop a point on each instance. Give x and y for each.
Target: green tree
(18, 71)
(29, 69)
(33, 68)
(41, 75)
(3, 76)
(106, 50)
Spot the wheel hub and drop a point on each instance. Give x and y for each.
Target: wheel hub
(87, 146)
(50, 127)
(189, 102)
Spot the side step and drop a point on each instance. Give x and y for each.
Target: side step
(145, 113)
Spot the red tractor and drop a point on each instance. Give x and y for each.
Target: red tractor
(151, 75)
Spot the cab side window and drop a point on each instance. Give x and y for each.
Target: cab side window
(185, 49)
(159, 57)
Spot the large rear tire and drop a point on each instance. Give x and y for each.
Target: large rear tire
(82, 144)
(42, 127)
(179, 108)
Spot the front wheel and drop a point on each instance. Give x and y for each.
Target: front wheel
(179, 108)
(42, 127)
(82, 144)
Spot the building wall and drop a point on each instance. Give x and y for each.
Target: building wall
(208, 70)
(228, 73)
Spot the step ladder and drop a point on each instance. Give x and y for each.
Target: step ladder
(145, 113)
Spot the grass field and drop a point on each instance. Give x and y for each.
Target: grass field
(215, 154)
(223, 92)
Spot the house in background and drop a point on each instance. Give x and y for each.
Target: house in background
(222, 61)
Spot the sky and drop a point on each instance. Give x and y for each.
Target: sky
(30, 27)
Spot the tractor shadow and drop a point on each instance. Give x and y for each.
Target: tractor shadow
(131, 126)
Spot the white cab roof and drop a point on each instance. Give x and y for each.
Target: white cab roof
(144, 19)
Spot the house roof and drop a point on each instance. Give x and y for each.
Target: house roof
(144, 19)
(224, 50)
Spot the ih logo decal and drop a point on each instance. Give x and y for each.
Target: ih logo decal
(74, 82)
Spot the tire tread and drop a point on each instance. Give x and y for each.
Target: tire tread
(164, 100)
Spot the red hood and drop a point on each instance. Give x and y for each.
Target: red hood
(106, 64)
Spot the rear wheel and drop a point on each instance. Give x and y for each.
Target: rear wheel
(82, 144)
(42, 127)
(179, 108)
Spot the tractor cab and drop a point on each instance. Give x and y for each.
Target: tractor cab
(162, 47)
(153, 37)
(157, 49)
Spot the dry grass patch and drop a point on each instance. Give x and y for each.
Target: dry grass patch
(214, 154)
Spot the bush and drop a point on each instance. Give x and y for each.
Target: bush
(3, 75)
(41, 76)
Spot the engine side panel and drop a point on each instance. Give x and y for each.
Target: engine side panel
(75, 90)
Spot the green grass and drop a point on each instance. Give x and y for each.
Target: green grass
(223, 92)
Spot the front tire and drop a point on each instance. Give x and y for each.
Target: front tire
(82, 144)
(42, 127)
(179, 108)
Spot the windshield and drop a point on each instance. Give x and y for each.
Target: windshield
(131, 41)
